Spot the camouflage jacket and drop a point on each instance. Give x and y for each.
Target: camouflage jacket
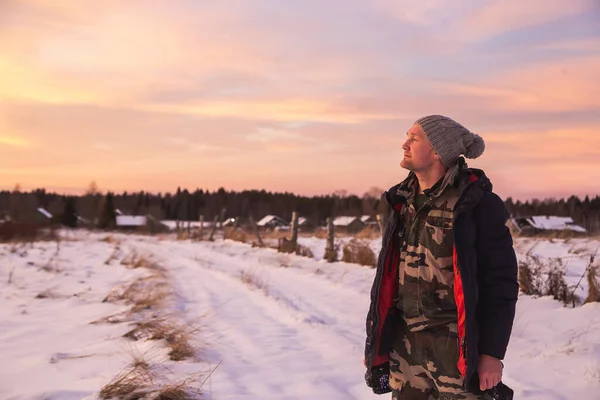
(485, 285)
(426, 272)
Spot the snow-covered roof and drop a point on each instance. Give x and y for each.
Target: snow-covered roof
(172, 224)
(302, 220)
(44, 212)
(344, 221)
(118, 212)
(131, 220)
(267, 219)
(366, 218)
(555, 223)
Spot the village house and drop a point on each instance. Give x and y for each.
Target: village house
(305, 224)
(546, 223)
(272, 222)
(139, 223)
(44, 216)
(369, 220)
(348, 224)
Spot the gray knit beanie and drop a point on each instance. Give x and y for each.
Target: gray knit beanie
(450, 139)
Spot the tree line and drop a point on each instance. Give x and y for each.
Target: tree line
(188, 205)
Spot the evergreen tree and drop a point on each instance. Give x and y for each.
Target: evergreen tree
(69, 214)
(108, 217)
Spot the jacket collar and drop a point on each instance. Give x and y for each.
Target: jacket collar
(458, 175)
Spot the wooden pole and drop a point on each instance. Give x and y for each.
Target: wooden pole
(294, 238)
(212, 233)
(380, 222)
(201, 227)
(223, 210)
(256, 231)
(330, 233)
(330, 252)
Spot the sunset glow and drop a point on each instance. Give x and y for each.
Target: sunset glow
(306, 97)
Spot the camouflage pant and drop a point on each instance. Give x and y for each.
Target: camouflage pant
(423, 365)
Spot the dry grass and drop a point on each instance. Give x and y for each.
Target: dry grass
(111, 240)
(271, 234)
(304, 251)
(179, 342)
(369, 232)
(134, 383)
(594, 285)
(183, 235)
(145, 293)
(284, 245)
(134, 260)
(111, 319)
(359, 252)
(545, 278)
(181, 391)
(556, 285)
(321, 234)
(138, 381)
(239, 235)
(177, 337)
(149, 330)
(254, 282)
(331, 254)
(526, 279)
(149, 301)
(287, 246)
(113, 256)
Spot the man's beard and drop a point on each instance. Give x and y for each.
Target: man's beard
(407, 164)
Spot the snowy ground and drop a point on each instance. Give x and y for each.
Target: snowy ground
(272, 326)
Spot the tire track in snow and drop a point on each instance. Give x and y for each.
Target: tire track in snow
(294, 343)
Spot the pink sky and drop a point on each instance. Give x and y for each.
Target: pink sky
(307, 97)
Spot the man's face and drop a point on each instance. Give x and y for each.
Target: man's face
(418, 153)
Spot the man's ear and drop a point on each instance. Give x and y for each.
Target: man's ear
(436, 156)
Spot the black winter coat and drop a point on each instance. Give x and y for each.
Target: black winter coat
(485, 285)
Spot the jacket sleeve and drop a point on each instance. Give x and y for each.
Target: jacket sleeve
(497, 272)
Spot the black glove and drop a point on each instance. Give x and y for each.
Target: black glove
(378, 379)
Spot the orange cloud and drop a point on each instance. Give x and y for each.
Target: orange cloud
(282, 110)
(559, 86)
(13, 141)
(567, 85)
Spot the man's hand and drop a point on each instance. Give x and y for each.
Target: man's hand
(490, 371)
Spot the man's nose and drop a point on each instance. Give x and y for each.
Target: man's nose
(405, 146)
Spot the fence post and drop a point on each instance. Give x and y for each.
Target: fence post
(201, 228)
(294, 238)
(223, 210)
(380, 223)
(256, 231)
(214, 228)
(330, 251)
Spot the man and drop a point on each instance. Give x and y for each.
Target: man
(444, 295)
